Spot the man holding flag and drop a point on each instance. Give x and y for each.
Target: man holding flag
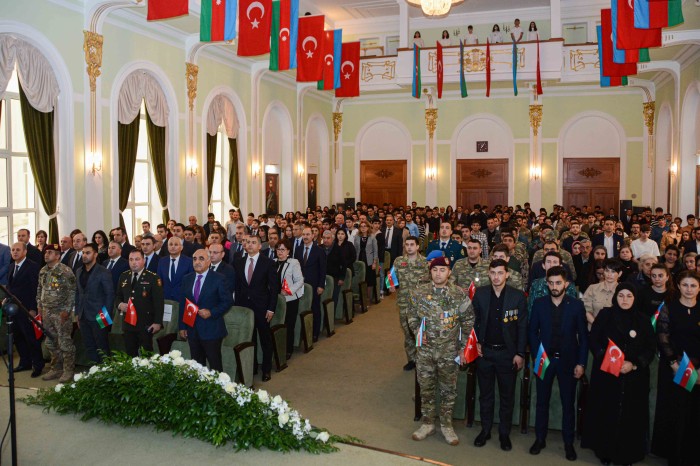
(411, 269)
(94, 292)
(441, 318)
(558, 326)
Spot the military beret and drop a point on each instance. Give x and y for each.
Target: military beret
(434, 254)
(52, 247)
(440, 262)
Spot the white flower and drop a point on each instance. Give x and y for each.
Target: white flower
(179, 361)
(166, 359)
(94, 369)
(283, 419)
(58, 387)
(155, 357)
(263, 396)
(77, 377)
(72, 385)
(175, 354)
(323, 437)
(224, 377)
(230, 387)
(143, 362)
(277, 399)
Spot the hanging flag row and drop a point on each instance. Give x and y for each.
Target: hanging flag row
(628, 29)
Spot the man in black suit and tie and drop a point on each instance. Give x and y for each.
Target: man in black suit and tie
(501, 329)
(119, 235)
(208, 291)
(609, 239)
(297, 240)
(393, 238)
(94, 291)
(23, 280)
(313, 267)
(216, 255)
(238, 246)
(257, 287)
(173, 269)
(273, 238)
(33, 253)
(66, 245)
(148, 245)
(115, 263)
(75, 262)
(558, 323)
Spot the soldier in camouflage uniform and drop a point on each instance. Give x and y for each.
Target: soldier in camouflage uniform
(518, 252)
(539, 286)
(550, 243)
(411, 270)
(472, 269)
(55, 298)
(439, 314)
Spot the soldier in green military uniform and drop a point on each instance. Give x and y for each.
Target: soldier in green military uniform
(438, 314)
(55, 298)
(145, 290)
(411, 270)
(551, 244)
(517, 252)
(472, 269)
(451, 248)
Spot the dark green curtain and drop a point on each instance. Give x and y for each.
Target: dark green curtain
(211, 163)
(233, 174)
(128, 142)
(38, 133)
(156, 146)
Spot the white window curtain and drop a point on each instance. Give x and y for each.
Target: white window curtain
(138, 86)
(222, 109)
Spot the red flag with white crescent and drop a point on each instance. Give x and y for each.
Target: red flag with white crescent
(310, 48)
(254, 24)
(190, 314)
(440, 72)
(38, 333)
(349, 71)
(613, 360)
(472, 290)
(471, 352)
(131, 318)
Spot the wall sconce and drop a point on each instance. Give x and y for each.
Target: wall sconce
(192, 167)
(94, 162)
(535, 172)
(255, 169)
(300, 170)
(431, 173)
(673, 170)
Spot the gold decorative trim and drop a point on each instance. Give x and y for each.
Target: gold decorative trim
(475, 59)
(384, 174)
(536, 118)
(384, 69)
(92, 46)
(580, 59)
(431, 117)
(191, 72)
(337, 124)
(590, 172)
(649, 110)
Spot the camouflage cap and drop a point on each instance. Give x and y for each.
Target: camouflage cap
(440, 262)
(52, 247)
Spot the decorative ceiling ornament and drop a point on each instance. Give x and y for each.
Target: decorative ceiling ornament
(435, 7)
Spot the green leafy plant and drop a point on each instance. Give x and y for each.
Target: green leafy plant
(181, 396)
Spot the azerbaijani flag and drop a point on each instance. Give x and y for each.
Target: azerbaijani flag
(283, 34)
(621, 55)
(332, 59)
(420, 336)
(607, 81)
(515, 69)
(652, 14)
(542, 362)
(391, 279)
(416, 88)
(217, 21)
(104, 320)
(462, 81)
(686, 376)
(655, 317)
(626, 35)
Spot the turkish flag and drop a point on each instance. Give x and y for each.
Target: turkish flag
(190, 314)
(628, 36)
(310, 48)
(254, 23)
(349, 71)
(38, 333)
(472, 290)
(608, 66)
(613, 360)
(285, 288)
(131, 317)
(163, 9)
(470, 350)
(440, 73)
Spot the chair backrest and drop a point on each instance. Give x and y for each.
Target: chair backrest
(359, 269)
(305, 301)
(347, 282)
(280, 311)
(173, 325)
(240, 324)
(328, 290)
(387, 260)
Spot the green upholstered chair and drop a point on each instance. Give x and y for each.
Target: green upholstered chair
(328, 307)
(279, 334)
(359, 284)
(237, 349)
(304, 329)
(347, 297)
(164, 338)
(116, 335)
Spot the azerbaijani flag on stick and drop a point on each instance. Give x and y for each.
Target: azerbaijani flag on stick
(542, 362)
(104, 320)
(391, 279)
(462, 80)
(657, 13)
(686, 375)
(420, 337)
(415, 89)
(217, 21)
(655, 317)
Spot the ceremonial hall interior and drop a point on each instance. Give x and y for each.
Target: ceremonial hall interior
(216, 130)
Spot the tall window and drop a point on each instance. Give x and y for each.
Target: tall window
(18, 198)
(220, 201)
(143, 189)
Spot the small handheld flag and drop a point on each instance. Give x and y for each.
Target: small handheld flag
(471, 352)
(104, 320)
(686, 375)
(472, 290)
(190, 314)
(613, 360)
(37, 330)
(655, 317)
(285, 288)
(131, 318)
(541, 362)
(420, 337)
(391, 279)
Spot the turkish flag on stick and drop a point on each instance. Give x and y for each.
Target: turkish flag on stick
(349, 71)
(310, 48)
(190, 315)
(254, 23)
(37, 330)
(470, 350)
(471, 290)
(440, 73)
(613, 360)
(131, 318)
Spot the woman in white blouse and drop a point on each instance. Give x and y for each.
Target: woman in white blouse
(292, 283)
(445, 40)
(417, 40)
(495, 37)
(532, 33)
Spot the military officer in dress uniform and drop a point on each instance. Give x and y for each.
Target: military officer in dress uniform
(411, 270)
(451, 248)
(439, 313)
(145, 290)
(55, 297)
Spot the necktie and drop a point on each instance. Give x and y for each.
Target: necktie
(111, 264)
(197, 288)
(16, 270)
(148, 259)
(172, 269)
(238, 248)
(442, 246)
(306, 254)
(250, 270)
(133, 281)
(272, 253)
(211, 267)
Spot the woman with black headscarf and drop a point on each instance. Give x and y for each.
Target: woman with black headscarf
(617, 421)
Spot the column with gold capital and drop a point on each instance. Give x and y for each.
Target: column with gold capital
(535, 169)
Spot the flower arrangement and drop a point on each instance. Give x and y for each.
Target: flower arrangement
(184, 397)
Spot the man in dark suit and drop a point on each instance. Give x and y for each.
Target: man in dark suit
(66, 244)
(115, 263)
(211, 218)
(609, 239)
(313, 267)
(33, 253)
(216, 254)
(173, 269)
(558, 323)
(145, 290)
(95, 290)
(237, 249)
(273, 238)
(501, 329)
(75, 261)
(189, 244)
(257, 287)
(694, 244)
(119, 235)
(393, 238)
(148, 245)
(23, 279)
(5, 260)
(207, 290)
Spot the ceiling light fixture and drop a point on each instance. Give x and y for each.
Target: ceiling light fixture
(435, 7)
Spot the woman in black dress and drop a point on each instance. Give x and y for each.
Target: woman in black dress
(617, 421)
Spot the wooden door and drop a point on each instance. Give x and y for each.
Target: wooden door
(384, 181)
(482, 181)
(592, 181)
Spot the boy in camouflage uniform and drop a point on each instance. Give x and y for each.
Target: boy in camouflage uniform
(411, 270)
(438, 314)
(55, 298)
